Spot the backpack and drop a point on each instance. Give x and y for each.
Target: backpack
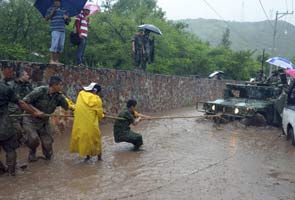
(74, 38)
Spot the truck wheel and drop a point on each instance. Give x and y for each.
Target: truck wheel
(289, 133)
(292, 137)
(268, 118)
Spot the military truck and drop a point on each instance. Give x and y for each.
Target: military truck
(247, 100)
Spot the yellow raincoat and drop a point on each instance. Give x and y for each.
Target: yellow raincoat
(86, 136)
(71, 105)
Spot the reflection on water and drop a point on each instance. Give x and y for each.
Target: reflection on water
(233, 144)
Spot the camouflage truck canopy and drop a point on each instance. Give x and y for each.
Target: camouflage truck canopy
(245, 101)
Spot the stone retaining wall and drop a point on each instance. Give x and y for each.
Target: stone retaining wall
(153, 92)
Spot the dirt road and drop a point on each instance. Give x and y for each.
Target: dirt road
(180, 159)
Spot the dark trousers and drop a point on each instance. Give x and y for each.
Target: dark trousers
(130, 137)
(140, 60)
(9, 146)
(35, 135)
(80, 50)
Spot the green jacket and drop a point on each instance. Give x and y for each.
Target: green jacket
(21, 89)
(45, 102)
(7, 96)
(123, 126)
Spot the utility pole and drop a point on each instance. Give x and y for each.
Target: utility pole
(262, 61)
(278, 16)
(242, 13)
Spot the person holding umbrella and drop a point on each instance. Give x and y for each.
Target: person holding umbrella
(58, 17)
(143, 46)
(137, 45)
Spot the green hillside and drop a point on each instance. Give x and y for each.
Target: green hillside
(246, 35)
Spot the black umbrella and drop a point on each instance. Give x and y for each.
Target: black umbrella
(73, 7)
(151, 28)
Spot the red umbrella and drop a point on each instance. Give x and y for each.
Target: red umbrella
(93, 7)
(291, 72)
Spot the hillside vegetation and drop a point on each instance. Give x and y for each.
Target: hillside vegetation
(246, 35)
(25, 35)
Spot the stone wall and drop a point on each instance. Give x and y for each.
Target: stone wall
(153, 92)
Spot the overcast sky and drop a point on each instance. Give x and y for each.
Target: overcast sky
(234, 10)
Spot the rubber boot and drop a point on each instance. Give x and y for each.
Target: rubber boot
(3, 168)
(32, 156)
(11, 170)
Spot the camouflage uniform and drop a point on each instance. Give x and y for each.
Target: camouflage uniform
(8, 139)
(138, 56)
(122, 131)
(40, 127)
(21, 89)
(147, 50)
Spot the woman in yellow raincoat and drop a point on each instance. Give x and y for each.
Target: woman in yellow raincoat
(86, 136)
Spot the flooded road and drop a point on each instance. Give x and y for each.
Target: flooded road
(180, 159)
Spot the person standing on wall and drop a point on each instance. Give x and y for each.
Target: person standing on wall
(137, 46)
(59, 18)
(147, 49)
(81, 25)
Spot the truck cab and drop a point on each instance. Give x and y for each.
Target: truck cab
(289, 114)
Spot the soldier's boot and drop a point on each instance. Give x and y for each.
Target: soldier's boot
(88, 158)
(3, 168)
(11, 170)
(48, 157)
(137, 145)
(32, 156)
(99, 157)
(11, 162)
(47, 152)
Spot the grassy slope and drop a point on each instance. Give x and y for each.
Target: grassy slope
(246, 35)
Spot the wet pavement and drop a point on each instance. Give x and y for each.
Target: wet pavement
(180, 159)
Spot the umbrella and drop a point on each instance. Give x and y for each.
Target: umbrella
(73, 7)
(291, 72)
(280, 62)
(215, 73)
(151, 28)
(93, 7)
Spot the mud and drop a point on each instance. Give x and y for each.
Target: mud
(180, 159)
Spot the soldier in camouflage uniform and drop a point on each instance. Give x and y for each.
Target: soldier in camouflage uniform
(147, 49)
(46, 99)
(122, 131)
(275, 78)
(138, 49)
(8, 138)
(21, 87)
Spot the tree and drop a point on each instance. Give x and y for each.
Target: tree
(225, 41)
(177, 51)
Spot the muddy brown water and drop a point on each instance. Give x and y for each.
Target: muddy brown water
(180, 159)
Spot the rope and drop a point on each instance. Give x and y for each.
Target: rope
(57, 115)
(120, 118)
(183, 117)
